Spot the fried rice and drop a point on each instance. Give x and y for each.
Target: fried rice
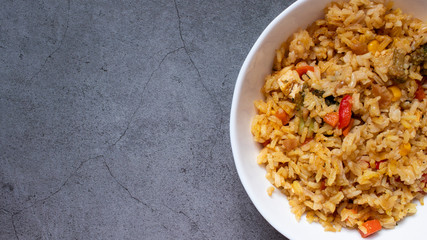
(343, 125)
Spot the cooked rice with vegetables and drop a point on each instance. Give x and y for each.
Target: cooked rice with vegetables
(343, 124)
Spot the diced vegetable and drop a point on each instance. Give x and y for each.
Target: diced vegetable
(396, 71)
(318, 93)
(420, 94)
(331, 119)
(329, 100)
(299, 99)
(301, 126)
(345, 112)
(419, 56)
(310, 128)
(405, 149)
(283, 116)
(370, 227)
(396, 93)
(373, 46)
(303, 70)
(347, 129)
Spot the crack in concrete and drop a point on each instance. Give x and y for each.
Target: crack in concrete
(191, 220)
(12, 220)
(217, 103)
(14, 227)
(4, 210)
(190, 58)
(200, 79)
(164, 226)
(143, 92)
(63, 184)
(126, 189)
(51, 194)
(59, 45)
(184, 46)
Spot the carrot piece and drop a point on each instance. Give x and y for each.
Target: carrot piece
(303, 70)
(420, 94)
(332, 119)
(346, 130)
(283, 116)
(371, 226)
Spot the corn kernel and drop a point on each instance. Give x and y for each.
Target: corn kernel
(273, 112)
(405, 149)
(396, 93)
(373, 46)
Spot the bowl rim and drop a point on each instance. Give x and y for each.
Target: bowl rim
(233, 113)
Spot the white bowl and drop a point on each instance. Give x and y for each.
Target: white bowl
(258, 64)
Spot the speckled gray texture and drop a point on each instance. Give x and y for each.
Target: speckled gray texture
(114, 119)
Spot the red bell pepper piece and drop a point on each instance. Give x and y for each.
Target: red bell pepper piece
(345, 112)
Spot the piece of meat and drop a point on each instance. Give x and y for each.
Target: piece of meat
(396, 70)
(384, 93)
(290, 83)
(359, 48)
(290, 144)
(419, 56)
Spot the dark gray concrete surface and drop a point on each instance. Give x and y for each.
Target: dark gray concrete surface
(114, 119)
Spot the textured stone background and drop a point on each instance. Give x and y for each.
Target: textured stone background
(114, 119)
